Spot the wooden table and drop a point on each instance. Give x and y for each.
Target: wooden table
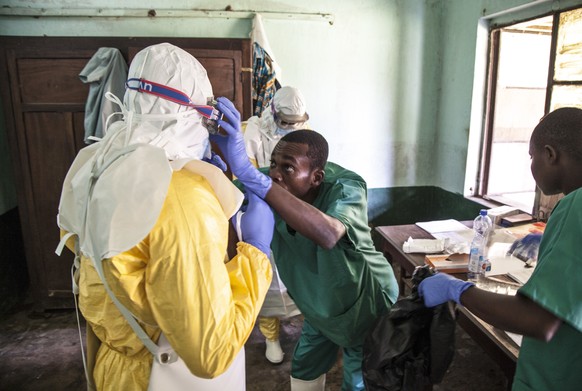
(494, 341)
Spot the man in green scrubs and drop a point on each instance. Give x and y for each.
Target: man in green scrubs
(323, 249)
(547, 310)
(341, 287)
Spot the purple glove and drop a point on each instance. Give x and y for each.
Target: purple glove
(440, 288)
(526, 248)
(257, 224)
(233, 148)
(215, 160)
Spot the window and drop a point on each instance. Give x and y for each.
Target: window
(534, 67)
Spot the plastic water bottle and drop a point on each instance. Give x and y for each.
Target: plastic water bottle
(482, 226)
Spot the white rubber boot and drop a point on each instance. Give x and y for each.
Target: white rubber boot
(274, 353)
(308, 385)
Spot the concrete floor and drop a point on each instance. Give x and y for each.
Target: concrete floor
(41, 351)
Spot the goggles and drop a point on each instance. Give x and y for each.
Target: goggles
(287, 122)
(210, 114)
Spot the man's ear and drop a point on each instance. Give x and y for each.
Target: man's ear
(551, 154)
(317, 177)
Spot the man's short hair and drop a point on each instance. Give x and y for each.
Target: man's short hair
(317, 147)
(562, 129)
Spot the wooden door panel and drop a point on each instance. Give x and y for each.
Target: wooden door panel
(51, 137)
(44, 103)
(51, 81)
(222, 77)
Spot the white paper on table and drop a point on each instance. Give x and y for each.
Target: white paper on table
(501, 263)
(521, 275)
(499, 250)
(426, 246)
(515, 337)
(436, 226)
(456, 241)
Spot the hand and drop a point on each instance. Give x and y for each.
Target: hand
(526, 248)
(257, 224)
(440, 288)
(233, 148)
(215, 160)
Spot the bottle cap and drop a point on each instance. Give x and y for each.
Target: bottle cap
(483, 212)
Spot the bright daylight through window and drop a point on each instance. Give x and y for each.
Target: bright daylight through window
(535, 67)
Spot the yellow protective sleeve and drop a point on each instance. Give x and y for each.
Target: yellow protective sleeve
(176, 279)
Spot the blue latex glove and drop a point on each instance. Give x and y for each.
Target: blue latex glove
(233, 148)
(257, 224)
(526, 248)
(215, 160)
(442, 287)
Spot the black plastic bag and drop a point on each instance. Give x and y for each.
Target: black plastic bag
(412, 346)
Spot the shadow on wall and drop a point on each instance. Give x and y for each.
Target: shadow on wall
(408, 205)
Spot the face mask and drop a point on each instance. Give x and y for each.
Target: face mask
(282, 132)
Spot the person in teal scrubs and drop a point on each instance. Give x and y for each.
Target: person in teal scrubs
(323, 250)
(341, 289)
(547, 310)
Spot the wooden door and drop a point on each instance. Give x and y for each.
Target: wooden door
(44, 104)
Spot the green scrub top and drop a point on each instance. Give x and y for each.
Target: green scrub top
(343, 290)
(556, 285)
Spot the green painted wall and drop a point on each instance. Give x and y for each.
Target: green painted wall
(361, 76)
(408, 205)
(390, 83)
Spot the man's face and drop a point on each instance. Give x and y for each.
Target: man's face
(291, 169)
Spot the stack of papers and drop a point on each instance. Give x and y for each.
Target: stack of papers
(438, 226)
(521, 275)
(496, 214)
(425, 246)
(457, 235)
(501, 263)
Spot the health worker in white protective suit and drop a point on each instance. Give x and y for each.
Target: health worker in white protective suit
(149, 215)
(286, 113)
